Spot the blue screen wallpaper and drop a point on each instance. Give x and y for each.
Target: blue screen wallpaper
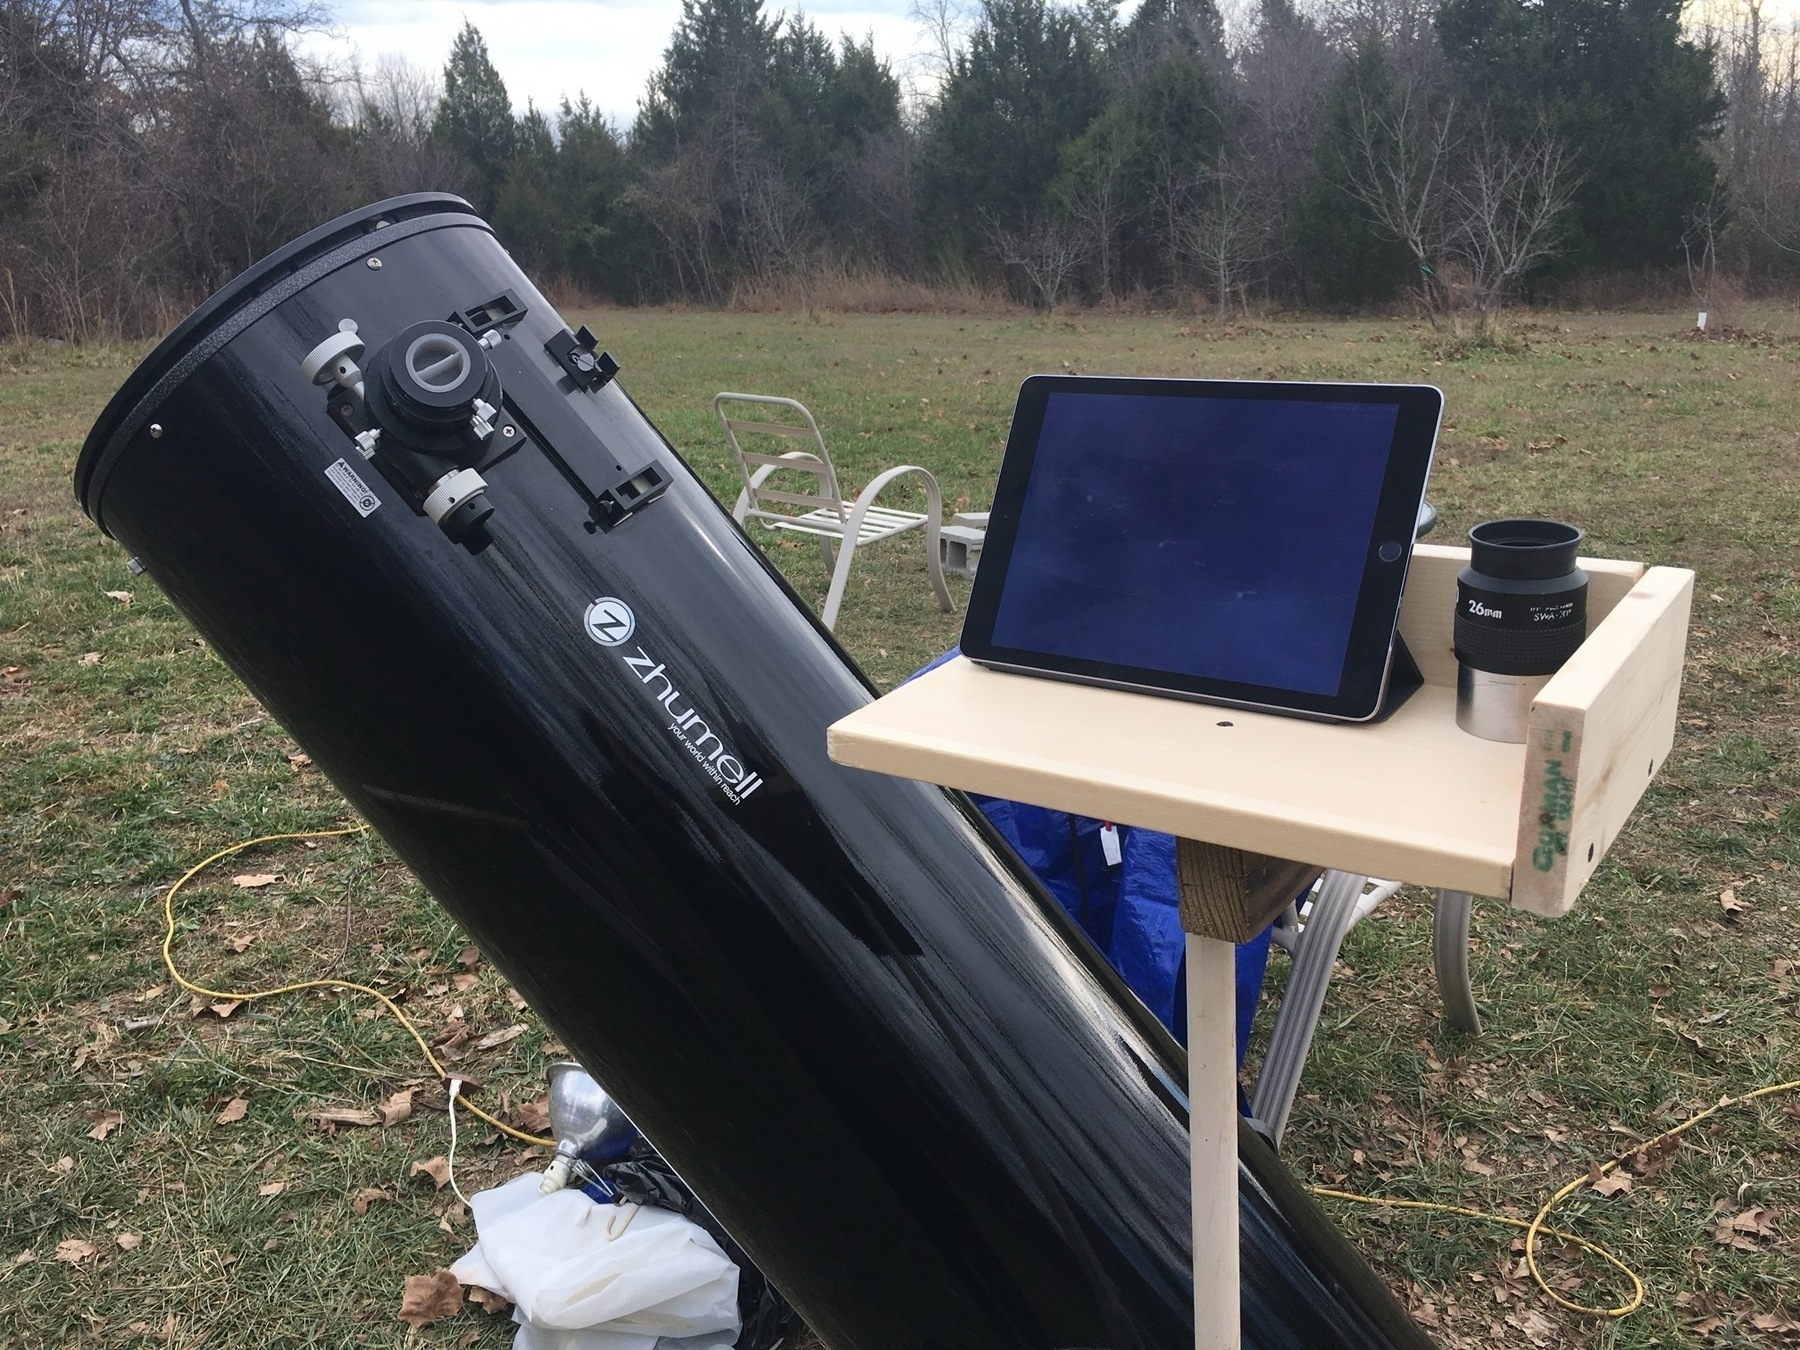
(1214, 537)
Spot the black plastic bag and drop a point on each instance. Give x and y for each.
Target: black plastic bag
(644, 1178)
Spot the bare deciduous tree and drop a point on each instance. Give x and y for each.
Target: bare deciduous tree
(1226, 229)
(1507, 204)
(1098, 207)
(779, 225)
(882, 193)
(391, 108)
(1403, 156)
(1045, 247)
(945, 26)
(1758, 149)
(682, 205)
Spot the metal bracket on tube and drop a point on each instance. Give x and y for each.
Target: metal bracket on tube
(574, 352)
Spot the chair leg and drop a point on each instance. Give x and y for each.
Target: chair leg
(1450, 958)
(840, 578)
(934, 565)
(828, 554)
(1333, 913)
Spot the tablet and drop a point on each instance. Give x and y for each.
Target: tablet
(1234, 541)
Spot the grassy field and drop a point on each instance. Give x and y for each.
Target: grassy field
(135, 1210)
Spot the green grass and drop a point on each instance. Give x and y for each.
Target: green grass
(1643, 1005)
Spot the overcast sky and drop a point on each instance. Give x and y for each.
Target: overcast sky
(545, 49)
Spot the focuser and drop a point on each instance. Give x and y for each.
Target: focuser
(426, 412)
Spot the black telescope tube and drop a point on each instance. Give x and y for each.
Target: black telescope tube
(853, 1022)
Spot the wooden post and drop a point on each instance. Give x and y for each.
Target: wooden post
(1212, 1133)
(1227, 896)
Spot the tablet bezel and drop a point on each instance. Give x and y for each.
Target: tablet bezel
(1368, 653)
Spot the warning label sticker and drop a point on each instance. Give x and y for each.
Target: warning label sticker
(355, 491)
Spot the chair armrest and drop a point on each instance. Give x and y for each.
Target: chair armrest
(934, 502)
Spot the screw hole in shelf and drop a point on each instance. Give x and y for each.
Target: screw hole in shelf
(1224, 724)
(1590, 856)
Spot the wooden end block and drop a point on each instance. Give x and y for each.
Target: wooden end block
(1232, 895)
(1598, 733)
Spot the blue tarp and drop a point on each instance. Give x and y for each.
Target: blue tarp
(1129, 910)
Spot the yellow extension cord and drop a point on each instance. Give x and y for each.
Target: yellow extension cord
(168, 955)
(1536, 1229)
(1533, 1230)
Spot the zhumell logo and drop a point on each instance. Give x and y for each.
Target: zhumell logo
(609, 621)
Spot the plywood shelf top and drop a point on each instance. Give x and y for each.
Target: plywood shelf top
(1413, 798)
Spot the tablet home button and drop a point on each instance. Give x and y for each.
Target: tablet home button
(1388, 552)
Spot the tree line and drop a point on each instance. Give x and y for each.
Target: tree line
(1458, 153)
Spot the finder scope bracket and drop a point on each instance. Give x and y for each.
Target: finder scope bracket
(574, 352)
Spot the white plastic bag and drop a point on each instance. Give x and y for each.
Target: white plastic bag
(574, 1288)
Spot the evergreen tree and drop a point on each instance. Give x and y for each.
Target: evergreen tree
(1031, 82)
(606, 248)
(1287, 69)
(793, 112)
(1624, 88)
(474, 116)
(529, 212)
(865, 95)
(715, 66)
(1162, 27)
(1151, 153)
(1341, 253)
(1174, 123)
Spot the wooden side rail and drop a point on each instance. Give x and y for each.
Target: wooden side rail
(1598, 733)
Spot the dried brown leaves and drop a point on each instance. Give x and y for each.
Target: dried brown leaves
(429, 1298)
(368, 1195)
(1655, 1156)
(533, 1117)
(498, 1038)
(328, 1118)
(104, 1123)
(1741, 1230)
(1617, 1182)
(487, 1300)
(396, 1108)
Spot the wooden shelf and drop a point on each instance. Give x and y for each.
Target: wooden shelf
(1413, 798)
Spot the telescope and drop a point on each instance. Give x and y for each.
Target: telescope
(424, 523)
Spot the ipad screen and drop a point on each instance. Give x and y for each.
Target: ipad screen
(1224, 538)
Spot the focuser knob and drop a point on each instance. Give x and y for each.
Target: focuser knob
(334, 360)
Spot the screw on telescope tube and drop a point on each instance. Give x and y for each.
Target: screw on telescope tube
(374, 264)
(156, 431)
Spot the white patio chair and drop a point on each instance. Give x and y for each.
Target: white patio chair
(840, 526)
(1311, 933)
